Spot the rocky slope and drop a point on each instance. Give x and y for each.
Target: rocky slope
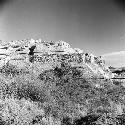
(49, 83)
(38, 55)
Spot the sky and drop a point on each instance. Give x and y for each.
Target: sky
(95, 26)
(116, 59)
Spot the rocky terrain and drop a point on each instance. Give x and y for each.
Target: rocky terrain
(40, 54)
(50, 83)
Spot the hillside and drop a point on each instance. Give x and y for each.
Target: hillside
(41, 54)
(50, 83)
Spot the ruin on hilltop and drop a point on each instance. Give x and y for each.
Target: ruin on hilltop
(40, 53)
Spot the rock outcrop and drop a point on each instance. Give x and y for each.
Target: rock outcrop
(40, 55)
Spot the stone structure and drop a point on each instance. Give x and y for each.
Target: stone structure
(35, 52)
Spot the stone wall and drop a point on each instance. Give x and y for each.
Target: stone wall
(48, 58)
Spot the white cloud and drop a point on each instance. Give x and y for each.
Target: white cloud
(116, 59)
(114, 53)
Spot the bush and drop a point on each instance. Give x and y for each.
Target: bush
(58, 92)
(9, 69)
(21, 112)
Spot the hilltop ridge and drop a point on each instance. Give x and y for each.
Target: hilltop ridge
(42, 54)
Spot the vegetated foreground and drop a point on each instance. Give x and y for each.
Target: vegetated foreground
(63, 95)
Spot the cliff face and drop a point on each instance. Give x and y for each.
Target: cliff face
(40, 55)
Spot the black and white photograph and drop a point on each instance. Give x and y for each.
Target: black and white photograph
(62, 62)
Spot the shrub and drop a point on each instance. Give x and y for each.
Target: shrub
(10, 69)
(21, 112)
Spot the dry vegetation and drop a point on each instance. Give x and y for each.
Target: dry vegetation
(60, 96)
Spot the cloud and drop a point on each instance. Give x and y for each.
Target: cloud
(114, 53)
(116, 59)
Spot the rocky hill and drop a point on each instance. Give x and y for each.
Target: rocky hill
(38, 55)
(50, 83)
